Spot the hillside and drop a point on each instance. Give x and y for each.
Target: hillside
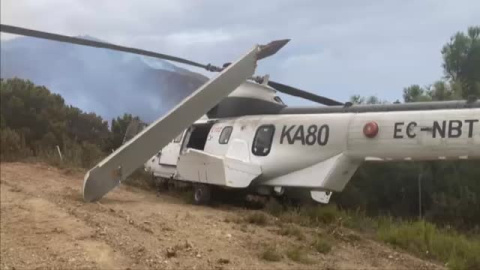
(106, 82)
(46, 224)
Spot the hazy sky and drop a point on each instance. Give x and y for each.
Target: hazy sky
(338, 48)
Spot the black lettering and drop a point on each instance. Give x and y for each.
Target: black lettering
(470, 126)
(441, 130)
(299, 135)
(410, 127)
(323, 131)
(457, 128)
(398, 129)
(286, 133)
(311, 137)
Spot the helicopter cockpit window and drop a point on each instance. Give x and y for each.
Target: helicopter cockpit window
(263, 140)
(225, 135)
(278, 99)
(178, 138)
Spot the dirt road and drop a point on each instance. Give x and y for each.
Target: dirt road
(46, 224)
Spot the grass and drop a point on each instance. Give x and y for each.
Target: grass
(271, 254)
(298, 254)
(273, 207)
(421, 238)
(321, 214)
(312, 216)
(426, 240)
(257, 218)
(322, 245)
(292, 230)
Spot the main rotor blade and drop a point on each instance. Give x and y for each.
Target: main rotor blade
(303, 94)
(97, 44)
(271, 48)
(108, 174)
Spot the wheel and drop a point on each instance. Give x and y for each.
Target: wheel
(201, 194)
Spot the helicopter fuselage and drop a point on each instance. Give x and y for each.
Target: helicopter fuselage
(318, 152)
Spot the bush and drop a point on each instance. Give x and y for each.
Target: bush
(271, 254)
(323, 246)
(91, 155)
(298, 254)
(292, 230)
(322, 214)
(12, 146)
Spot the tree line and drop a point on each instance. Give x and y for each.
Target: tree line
(445, 192)
(35, 121)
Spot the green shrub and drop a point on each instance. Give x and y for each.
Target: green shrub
(292, 230)
(12, 146)
(91, 155)
(322, 245)
(271, 254)
(298, 254)
(322, 214)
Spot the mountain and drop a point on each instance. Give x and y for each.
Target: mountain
(106, 82)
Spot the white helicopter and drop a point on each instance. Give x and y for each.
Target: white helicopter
(235, 132)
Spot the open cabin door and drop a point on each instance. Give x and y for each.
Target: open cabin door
(170, 153)
(196, 136)
(195, 165)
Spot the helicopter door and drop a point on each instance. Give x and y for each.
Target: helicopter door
(171, 152)
(196, 137)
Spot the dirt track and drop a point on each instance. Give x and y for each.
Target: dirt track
(46, 224)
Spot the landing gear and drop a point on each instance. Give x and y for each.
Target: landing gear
(202, 193)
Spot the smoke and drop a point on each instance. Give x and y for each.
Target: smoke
(106, 82)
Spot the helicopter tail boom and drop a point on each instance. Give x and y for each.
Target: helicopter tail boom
(344, 141)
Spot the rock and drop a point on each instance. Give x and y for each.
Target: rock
(171, 252)
(229, 235)
(223, 261)
(188, 245)
(198, 255)
(147, 229)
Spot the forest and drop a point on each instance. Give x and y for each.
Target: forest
(35, 121)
